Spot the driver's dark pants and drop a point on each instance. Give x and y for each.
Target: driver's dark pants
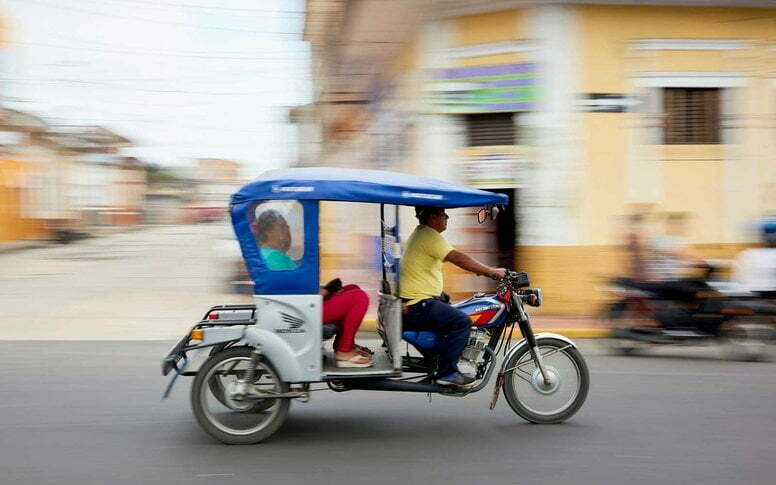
(450, 323)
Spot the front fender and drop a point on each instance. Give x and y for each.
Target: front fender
(282, 356)
(524, 343)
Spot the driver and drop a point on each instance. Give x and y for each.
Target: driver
(421, 291)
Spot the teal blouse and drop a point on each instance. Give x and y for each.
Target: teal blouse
(275, 260)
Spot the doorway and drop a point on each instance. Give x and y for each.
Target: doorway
(506, 229)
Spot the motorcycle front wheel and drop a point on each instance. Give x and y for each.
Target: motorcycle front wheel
(621, 320)
(536, 401)
(231, 421)
(748, 339)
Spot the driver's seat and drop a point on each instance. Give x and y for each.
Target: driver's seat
(422, 340)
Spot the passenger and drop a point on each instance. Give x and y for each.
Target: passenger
(345, 306)
(669, 260)
(274, 238)
(421, 290)
(636, 247)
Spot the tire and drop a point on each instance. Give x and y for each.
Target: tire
(748, 339)
(618, 317)
(203, 399)
(522, 398)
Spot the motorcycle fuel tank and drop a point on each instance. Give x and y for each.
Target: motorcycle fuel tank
(484, 310)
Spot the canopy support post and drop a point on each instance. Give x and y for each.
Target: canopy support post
(397, 246)
(385, 286)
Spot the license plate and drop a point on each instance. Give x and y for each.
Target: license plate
(173, 378)
(175, 354)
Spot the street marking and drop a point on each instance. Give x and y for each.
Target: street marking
(211, 475)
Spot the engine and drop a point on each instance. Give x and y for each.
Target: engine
(475, 348)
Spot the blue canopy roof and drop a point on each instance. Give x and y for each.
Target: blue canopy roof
(355, 185)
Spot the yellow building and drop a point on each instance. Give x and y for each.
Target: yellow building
(18, 220)
(578, 110)
(14, 226)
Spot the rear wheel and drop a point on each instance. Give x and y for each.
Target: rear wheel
(217, 385)
(229, 420)
(534, 400)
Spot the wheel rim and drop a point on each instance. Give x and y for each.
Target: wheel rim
(748, 339)
(231, 416)
(561, 392)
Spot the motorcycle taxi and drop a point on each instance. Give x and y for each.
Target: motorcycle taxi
(257, 358)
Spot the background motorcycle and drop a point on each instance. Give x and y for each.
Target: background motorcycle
(689, 312)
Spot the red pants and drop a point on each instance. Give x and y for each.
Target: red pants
(346, 310)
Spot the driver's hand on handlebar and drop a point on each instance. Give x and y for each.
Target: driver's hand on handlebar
(497, 273)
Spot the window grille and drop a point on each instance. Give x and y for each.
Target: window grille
(488, 129)
(692, 116)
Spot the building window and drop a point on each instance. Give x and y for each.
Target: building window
(488, 129)
(279, 230)
(691, 116)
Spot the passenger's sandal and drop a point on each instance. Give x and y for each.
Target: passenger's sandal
(365, 351)
(356, 361)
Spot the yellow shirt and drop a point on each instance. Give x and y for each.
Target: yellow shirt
(421, 264)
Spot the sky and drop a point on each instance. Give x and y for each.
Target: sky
(181, 78)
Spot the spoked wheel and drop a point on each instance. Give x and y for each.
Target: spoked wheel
(748, 339)
(621, 319)
(231, 421)
(218, 384)
(545, 403)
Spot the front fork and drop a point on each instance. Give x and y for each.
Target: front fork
(527, 331)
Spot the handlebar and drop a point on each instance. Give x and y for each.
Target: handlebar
(515, 279)
(519, 282)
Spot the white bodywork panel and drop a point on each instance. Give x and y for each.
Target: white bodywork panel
(288, 331)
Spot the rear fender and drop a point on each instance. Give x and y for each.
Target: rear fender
(524, 343)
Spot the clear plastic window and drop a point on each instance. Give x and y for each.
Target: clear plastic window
(278, 227)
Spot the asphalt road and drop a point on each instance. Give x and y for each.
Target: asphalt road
(90, 413)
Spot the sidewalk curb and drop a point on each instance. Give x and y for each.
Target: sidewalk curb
(370, 325)
(101, 232)
(12, 247)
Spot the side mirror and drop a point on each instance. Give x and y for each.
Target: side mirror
(482, 215)
(489, 212)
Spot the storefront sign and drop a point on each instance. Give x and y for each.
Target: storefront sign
(483, 89)
(492, 167)
(607, 102)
